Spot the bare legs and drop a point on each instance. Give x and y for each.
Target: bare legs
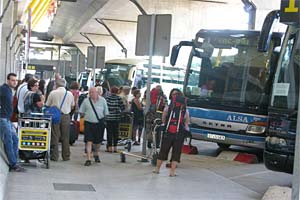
(89, 150)
(158, 165)
(173, 167)
(172, 170)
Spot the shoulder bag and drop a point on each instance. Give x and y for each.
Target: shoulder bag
(54, 112)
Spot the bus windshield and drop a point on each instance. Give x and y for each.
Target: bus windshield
(116, 74)
(164, 75)
(285, 92)
(229, 71)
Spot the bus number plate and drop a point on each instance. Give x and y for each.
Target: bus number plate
(216, 137)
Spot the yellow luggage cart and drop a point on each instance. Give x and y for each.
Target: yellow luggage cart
(34, 133)
(125, 129)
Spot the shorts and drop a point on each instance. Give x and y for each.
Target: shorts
(171, 140)
(93, 132)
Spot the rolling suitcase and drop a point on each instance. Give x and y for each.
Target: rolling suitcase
(72, 136)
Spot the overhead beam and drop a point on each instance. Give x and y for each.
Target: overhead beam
(100, 21)
(78, 42)
(119, 20)
(141, 9)
(98, 34)
(86, 37)
(54, 44)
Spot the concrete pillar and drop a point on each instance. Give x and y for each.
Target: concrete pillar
(11, 50)
(5, 28)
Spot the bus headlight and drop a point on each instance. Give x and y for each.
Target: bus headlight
(253, 129)
(276, 140)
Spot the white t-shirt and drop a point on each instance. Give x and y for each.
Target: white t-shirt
(22, 89)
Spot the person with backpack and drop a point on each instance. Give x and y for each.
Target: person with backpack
(175, 119)
(158, 102)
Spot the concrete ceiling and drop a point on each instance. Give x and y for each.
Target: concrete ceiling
(72, 18)
(75, 17)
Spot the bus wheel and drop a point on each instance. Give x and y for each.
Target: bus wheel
(223, 146)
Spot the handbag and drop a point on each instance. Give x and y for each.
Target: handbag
(54, 112)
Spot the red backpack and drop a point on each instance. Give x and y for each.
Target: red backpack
(158, 101)
(176, 113)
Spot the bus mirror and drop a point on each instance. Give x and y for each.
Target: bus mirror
(174, 54)
(266, 31)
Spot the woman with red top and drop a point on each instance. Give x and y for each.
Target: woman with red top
(176, 119)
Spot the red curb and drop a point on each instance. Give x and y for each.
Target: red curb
(246, 158)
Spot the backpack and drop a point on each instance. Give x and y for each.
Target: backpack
(81, 98)
(158, 101)
(176, 113)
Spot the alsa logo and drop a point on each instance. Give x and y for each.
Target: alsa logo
(237, 118)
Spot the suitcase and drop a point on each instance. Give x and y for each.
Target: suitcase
(81, 126)
(77, 129)
(72, 136)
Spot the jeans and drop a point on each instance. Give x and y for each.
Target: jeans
(10, 139)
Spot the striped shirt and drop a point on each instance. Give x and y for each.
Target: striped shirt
(115, 107)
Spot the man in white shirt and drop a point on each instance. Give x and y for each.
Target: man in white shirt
(22, 89)
(61, 130)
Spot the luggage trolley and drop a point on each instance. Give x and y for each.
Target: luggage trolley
(125, 129)
(34, 133)
(153, 155)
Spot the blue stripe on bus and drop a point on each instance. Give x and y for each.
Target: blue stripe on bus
(228, 135)
(226, 116)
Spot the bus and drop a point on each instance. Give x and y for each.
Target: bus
(134, 73)
(283, 110)
(228, 84)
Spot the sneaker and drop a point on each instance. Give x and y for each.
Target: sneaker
(136, 143)
(17, 168)
(149, 145)
(97, 159)
(88, 163)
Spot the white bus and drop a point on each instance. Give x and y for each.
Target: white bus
(133, 73)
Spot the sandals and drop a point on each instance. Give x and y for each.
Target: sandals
(173, 175)
(155, 171)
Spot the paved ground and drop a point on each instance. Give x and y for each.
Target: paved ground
(199, 177)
